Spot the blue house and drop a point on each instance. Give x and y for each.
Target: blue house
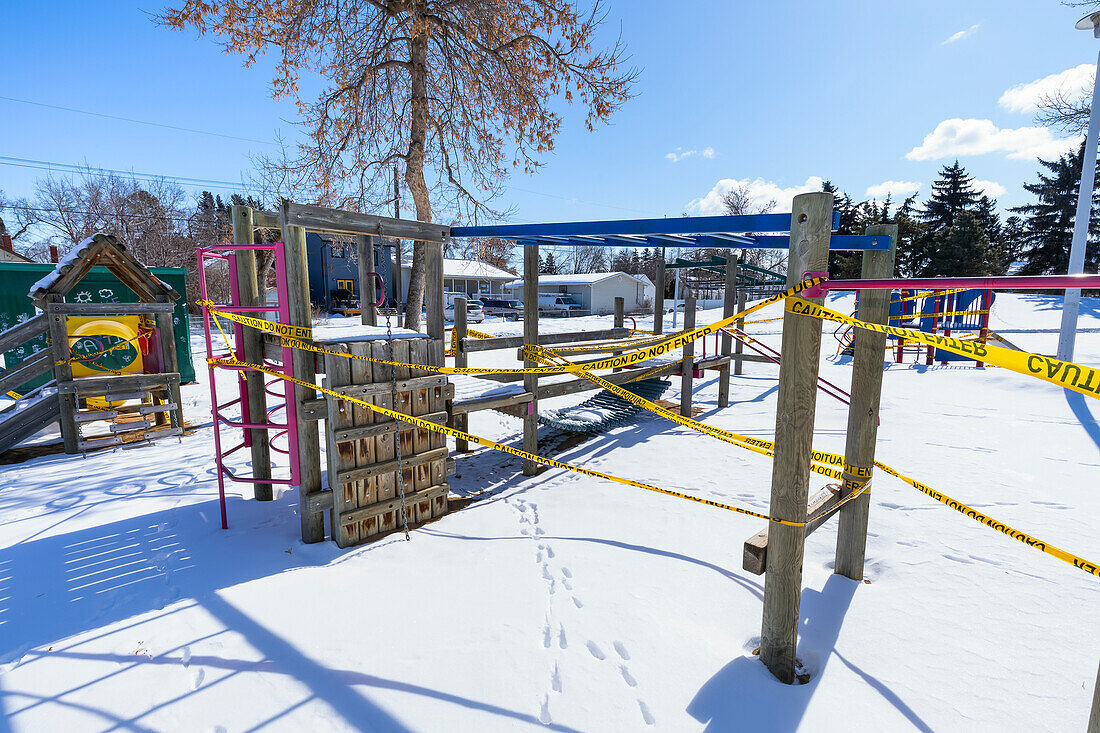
(334, 271)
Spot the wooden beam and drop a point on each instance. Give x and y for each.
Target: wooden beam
(252, 345)
(377, 469)
(62, 374)
(110, 309)
(620, 320)
(364, 248)
(545, 339)
(811, 222)
(26, 370)
(341, 456)
(863, 409)
(266, 219)
(462, 407)
(572, 386)
(729, 307)
(394, 505)
(319, 218)
(530, 335)
(23, 332)
(98, 386)
(433, 295)
(362, 432)
(305, 368)
(739, 348)
(461, 420)
(687, 365)
(659, 294)
(755, 559)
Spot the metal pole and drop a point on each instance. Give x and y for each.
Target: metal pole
(397, 295)
(676, 294)
(1068, 333)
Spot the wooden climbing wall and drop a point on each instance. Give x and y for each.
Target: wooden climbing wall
(364, 471)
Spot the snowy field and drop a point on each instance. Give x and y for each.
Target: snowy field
(566, 603)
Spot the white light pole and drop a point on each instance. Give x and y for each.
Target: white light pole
(1068, 333)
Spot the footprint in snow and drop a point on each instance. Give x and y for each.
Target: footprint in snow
(595, 651)
(620, 649)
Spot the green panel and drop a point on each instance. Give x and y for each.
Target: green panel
(98, 286)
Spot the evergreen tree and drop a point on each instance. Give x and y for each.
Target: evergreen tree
(910, 257)
(1045, 233)
(843, 264)
(962, 249)
(548, 266)
(952, 194)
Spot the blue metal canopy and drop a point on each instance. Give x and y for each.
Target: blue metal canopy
(686, 231)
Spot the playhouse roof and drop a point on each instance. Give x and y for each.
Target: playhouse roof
(106, 250)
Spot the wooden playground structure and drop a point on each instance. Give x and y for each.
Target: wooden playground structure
(384, 475)
(80, 335)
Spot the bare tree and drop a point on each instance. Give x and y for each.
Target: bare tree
(589, 258)
(460, 91)
(1066, 111)
(739, 201)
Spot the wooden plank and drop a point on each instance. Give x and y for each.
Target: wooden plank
(131, 426)
(687, 366)
(863, 408)
(433, 289)
(117, 383)
(251, 341)
(63, 374)
(82, 417)
(394, 505)
(360, 433)
(340, 455)
(739, 348)
(322, 219)
(755, 558)
(530, 335)
(305, 368)
(712, 362)
(463, 407)
(572, 386)
(407, 383)
(620, 319)
(23, 332)
(265, 219)
(110, 309)
(729, 307)
(461, 420)
(94, 443)
(363, 443)
(546, 339)
(390, 466)
(811, 222)
(364, 248)
(26, 370)
(17, 426)
(384, 450)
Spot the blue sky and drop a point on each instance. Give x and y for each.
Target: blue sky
(777, 94)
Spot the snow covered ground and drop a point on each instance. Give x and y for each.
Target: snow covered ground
(568, 603)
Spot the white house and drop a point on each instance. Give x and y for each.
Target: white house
(466, 276)
(596, 291)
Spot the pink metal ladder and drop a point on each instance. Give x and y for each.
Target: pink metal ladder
(289, 428)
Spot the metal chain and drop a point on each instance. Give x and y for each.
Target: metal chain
(397, 431)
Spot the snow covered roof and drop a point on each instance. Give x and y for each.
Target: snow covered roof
(102, 249)
(583, 278)
(471, 269)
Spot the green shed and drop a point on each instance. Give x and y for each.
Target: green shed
(98, 286)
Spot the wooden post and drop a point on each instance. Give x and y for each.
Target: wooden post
(739, 348)
(811, 221)
(687, 366)
(433, 294)
(63, 372)
(252, 346)
(531, 336)
(1094, 716)
(461, 421)
(305, 368)
(729, 307)
(364, 246)
(170, 363)
(863, 410)
(620, 319)
(659, 295)
(340, 455)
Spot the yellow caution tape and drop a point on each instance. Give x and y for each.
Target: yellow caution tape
(937, 315)
(234, 363)
(470, 332)
(1067, 374)
(929, 294)
(279, 329)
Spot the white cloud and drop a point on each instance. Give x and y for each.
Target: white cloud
(992, 189)
(761, 192)
(680, 154)
(961, 35)
(894, 189)
(1026, 97)
(957, 137)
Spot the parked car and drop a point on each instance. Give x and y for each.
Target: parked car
(512, 309)
(557, 304)
(474, 313)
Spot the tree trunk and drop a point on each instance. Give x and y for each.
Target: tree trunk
(414, 164)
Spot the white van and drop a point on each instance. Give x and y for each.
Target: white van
(559, 304)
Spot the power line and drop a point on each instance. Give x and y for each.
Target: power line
(47, 165)
(135, 121)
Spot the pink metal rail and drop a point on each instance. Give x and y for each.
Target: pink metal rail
(1008, 282)
(227, 253)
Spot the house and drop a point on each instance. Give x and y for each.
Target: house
(334, 270)
(466, 276)
(8, 253)
(596, 291)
